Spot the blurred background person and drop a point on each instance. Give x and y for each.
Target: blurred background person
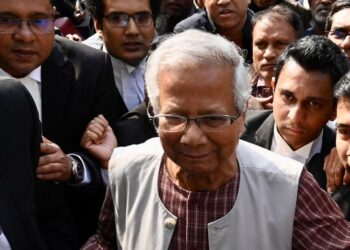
(338, 26)
(273, 30)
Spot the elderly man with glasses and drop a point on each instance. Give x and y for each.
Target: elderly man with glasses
(198, 186)
(70, 85)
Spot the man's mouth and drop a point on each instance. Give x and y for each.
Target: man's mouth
(132, 45)
(225, 12)
(24, 53)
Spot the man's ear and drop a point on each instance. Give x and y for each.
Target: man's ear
(98, 24)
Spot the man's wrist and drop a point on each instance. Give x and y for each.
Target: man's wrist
(77, 175)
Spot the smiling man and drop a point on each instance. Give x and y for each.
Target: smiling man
(302, 104)
(198, 186)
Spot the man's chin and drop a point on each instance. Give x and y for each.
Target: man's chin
(19, 72)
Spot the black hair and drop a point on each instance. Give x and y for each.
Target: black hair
(315, 53)
(342, 88)
(336, 6)
(281, 12)
(96, 8)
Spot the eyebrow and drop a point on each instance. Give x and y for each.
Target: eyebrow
(342, 28)
(124, 13)
(342, 125)
(308, 98)
(31, 16)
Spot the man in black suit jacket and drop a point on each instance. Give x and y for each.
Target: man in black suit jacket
(303, 103)
(70, 84)
(20, 137)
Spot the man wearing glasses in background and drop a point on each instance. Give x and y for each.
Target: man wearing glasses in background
(70, 85)
(338, 26)
(198, 186)
(126, 30)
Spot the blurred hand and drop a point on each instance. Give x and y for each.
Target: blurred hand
(74, 37)
(99, 140)
(54, 165)
(260, 102)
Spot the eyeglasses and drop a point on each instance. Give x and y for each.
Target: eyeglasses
(142, 19)
(339, 34)
(37, 26)
(177, 123)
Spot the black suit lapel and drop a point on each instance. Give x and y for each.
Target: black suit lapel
(57, 75)
(315, 164)
(264, 133)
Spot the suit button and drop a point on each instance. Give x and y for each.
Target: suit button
(170, 223)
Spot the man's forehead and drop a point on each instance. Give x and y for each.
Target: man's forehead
(343, 107)
(129, 7)
(339, 18)
(21, 8)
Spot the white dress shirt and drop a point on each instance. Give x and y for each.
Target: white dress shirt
(4, 244)
(32, 83)
(130, 82)
(303, 154)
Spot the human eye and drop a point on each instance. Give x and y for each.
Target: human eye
(260, 44)
(173, 120)
(339, 34)
(214, 121)
(170, 123)
(287, 96)
(314, 104)
(39, 22)
(343, 131)
(281, 44)
(143, 18)
(8, 21)
(117, 18)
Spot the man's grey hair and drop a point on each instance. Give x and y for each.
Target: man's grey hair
(194, 47)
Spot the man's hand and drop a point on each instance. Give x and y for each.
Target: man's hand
(74, 37)
(337, 174)
(54, 165)
(260, 102)
(99, 140)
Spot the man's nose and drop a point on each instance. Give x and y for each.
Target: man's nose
(131, 28)
(296, 114)
(193, 134)
(24, 32)
(269, 52)
(223, 2)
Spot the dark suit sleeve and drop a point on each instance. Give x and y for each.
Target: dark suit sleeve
(20, 136)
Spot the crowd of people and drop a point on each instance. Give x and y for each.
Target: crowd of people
(175, 124)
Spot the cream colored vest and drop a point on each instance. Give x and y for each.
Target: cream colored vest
(261, 218)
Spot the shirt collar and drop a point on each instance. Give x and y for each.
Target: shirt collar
(261, 82)
(34, 75)
(121, 64)
(303, 154)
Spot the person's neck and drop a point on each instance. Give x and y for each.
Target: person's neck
(234, 34)
(319, 29)
(196, 182)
